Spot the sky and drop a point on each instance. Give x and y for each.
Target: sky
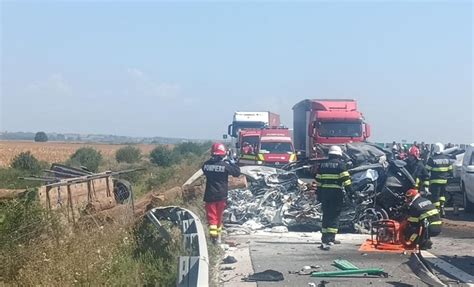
(181, 69)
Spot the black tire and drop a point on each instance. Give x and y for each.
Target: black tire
(468, 205)
(122, 191)
(363, 224)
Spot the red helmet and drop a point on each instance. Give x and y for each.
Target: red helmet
(218, 149)
(414, 151)
(410, 194)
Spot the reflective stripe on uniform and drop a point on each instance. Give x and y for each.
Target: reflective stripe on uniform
(413, 237)
(293, 157)
(347, 182)
(437, 203)
(261, 157)
(413, 219)
(441, 169)
(327, 176)
(213, 231)
(333, 176)
(417, 182)
(438, 181)
(442, 198)
(423, 216)
(436, 223)
(331, 230)
(426, 183)
(344, 174)
(428, 214)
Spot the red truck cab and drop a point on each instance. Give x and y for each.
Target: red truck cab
(327, 122)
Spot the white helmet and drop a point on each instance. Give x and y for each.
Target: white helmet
(438, 148)
(335, 150)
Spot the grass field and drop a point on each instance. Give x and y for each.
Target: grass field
(56, 151)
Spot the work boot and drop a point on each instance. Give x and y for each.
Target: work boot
(215, 240)
(334, 241)
(325, 247)
(428, 245)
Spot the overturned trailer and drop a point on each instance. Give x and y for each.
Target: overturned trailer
(278, 197)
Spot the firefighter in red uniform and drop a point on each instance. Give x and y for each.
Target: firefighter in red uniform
(424, 221)
(332, 179)
(217, 170)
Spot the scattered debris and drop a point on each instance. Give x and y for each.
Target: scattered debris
(423, 271)
(306, 270)
(229, 260)
(267, 275)
(231, 243)
(279, 229)
(276, 197)
(227, 268)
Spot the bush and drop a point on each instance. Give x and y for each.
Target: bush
(191, 148)
(161, 177)
(163, 156)
(25, 161)
(128, 154)
(9, 179)
(41, 137)
(88, 157)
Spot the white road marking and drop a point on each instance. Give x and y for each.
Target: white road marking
(449, 268)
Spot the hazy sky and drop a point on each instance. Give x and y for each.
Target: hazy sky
(182, 69)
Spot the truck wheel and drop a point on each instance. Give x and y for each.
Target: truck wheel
(468, 205)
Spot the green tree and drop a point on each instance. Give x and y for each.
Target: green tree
(88, 157)
(25, 161)
(128, 154)
(41, 137)
(192, 148)
(163, 156)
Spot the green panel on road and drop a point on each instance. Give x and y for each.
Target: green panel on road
(344, 265)
(369, 271)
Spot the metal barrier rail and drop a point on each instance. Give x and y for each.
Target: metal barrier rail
(193, 270)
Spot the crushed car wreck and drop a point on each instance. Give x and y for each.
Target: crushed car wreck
(278, 197)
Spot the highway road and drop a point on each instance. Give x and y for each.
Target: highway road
(452, 258)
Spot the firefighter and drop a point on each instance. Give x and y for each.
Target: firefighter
(217, 170)
(418, 170)
(332, 179)
(247, 148)
(440, 167)
(423, 220)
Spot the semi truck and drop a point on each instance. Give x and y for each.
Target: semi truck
(252, 120)
(271, 146)
(327, 122)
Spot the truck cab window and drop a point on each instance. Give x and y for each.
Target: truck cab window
(339, 129)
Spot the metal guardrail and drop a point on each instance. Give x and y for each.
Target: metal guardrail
(193, 270)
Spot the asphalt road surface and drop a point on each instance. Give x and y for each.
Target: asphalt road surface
(452, 258)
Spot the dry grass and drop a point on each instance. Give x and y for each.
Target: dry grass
(57, 151)
(106, 249)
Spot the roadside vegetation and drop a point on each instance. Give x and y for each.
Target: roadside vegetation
(112, 249)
